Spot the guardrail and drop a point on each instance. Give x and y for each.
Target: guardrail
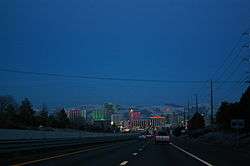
(14, 134)
(13, 146)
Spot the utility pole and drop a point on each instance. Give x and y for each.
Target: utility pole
(212, 102)
(196, 101)
(184, 115)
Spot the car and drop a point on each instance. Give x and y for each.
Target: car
(142, 137)
(162, 137)
(149, 136)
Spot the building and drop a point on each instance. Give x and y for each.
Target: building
(134, 115)
(139, 124)
(116, 119)
(158, 121)
(76, 115)
(100, 115)
(101, 118)
(148, 123)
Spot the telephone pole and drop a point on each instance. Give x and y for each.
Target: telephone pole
(196, 101)
(212, 102)
(188, 111)
(184, 116)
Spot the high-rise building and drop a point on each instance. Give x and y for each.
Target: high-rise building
(134, 115)
(116, 119)
(76, 115)
(146, 123)
(100, 115)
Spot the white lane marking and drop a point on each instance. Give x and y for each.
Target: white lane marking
(91, 148)
(124, 163)
(64, 155)
(134, 154)
(195, 157)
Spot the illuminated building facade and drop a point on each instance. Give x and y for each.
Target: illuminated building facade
(134, 115)
(76, 115)
(152, 122)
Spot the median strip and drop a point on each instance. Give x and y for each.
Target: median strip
(191, 155)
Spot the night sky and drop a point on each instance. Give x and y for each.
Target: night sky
(139, 39)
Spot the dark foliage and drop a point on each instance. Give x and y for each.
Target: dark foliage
(177, 131)
(238, 110)
(62, 119)
(196, 122)
(26, 113)
(24, 116)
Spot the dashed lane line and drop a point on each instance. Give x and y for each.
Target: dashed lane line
(64, 155)
(124, 163)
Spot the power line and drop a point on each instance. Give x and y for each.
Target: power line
(235, 86)
(99, 78)
(106, 78)
(231, 63)
(229, 55)
(227, 68)
(232, 73)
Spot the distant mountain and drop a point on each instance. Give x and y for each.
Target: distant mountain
(172, 105)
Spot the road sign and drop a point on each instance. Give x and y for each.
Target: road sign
(237, 123)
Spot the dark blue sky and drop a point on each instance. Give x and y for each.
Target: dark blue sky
(147, 39)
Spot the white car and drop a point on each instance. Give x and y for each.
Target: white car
(162, 137)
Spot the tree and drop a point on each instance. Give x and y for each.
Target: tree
(196, 122)
(62, 119)
(245, 107)
(26, 113)
(227, 112)
(237, 110)
(8, 117)
(52, 121)
(5, 101)
(224, 115)
(42, 118)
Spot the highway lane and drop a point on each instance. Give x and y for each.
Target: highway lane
(132, 153)
(93, 155)
(215, 153)
(163, 155)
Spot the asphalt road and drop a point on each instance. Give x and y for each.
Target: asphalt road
(132, 153)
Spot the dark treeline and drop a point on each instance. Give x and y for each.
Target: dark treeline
(227, 112)
(23, 116)
(237, 110)
(196, 122)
